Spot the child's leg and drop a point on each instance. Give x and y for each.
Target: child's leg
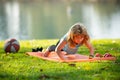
(46, 54)
(49, 49)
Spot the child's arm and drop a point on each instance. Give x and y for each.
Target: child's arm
(90, 47)
(59, 47)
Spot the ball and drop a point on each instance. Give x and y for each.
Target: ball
(11, 46)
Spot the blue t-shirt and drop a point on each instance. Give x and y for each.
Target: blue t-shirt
(67, 48)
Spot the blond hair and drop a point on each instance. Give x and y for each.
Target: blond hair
(77, 29)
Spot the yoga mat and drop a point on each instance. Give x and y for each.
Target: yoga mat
(70, 58)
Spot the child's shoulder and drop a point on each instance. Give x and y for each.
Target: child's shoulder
(65, 37)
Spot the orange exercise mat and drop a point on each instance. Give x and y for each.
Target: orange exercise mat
(70, 58)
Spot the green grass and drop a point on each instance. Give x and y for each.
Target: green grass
(19, 66)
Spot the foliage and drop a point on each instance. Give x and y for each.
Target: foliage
(19, 66)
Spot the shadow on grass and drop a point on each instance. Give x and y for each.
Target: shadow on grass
(108, 71)
(105, 72)
(10, 76)
(45, 76)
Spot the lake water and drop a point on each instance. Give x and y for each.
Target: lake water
(51, 19)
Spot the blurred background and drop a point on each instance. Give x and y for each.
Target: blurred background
(51, 19)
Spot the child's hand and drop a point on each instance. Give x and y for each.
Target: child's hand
(71, 57)
(91, 56)
(65, 58)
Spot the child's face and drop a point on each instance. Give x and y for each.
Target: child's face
(78, 39)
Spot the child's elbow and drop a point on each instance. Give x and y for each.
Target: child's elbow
(58, 51)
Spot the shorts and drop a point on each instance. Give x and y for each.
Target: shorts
(52, 47)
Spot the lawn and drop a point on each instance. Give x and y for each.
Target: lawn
(19, 66)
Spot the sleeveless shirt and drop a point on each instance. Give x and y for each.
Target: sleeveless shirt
(67, 48)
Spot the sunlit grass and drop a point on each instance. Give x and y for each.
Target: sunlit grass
(19, 66)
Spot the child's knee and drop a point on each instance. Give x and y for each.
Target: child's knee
(52, 48)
